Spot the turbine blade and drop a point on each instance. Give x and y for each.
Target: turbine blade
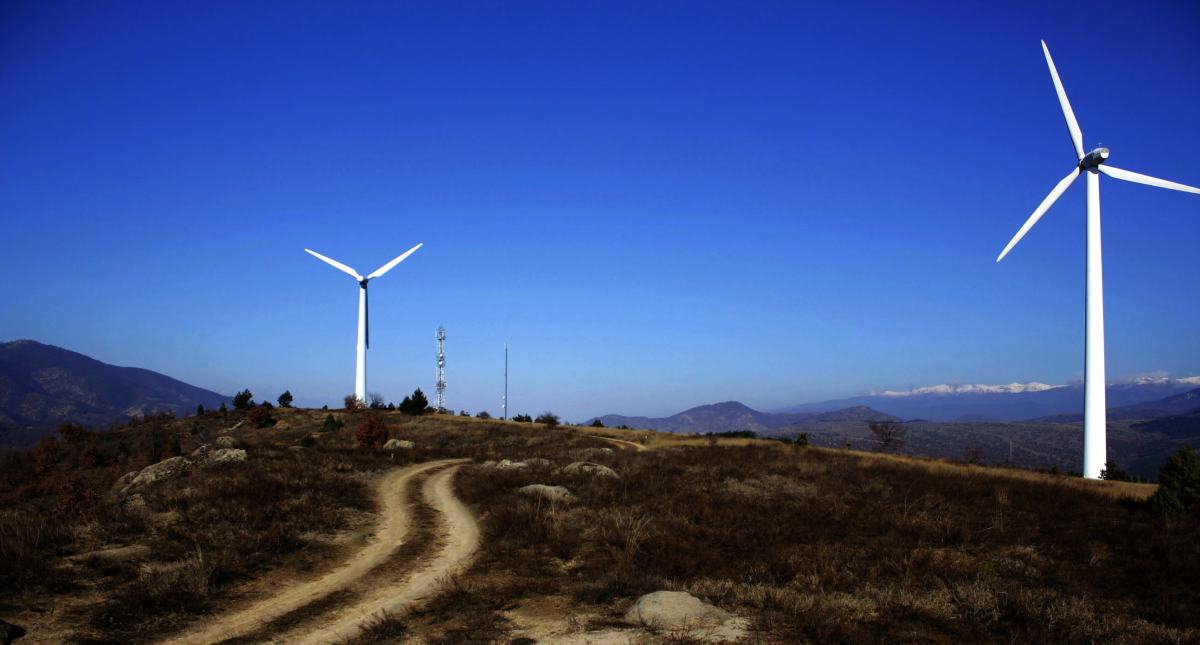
(1041, 210)
(1072, 124)
(388, 267)
(1138, 178)
(335, 264)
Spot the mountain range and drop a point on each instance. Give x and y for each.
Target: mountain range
(1012, 402)
(42, 386)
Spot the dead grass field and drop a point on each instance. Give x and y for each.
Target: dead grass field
(810, 545)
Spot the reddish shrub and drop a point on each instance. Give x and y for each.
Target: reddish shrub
(371, 431)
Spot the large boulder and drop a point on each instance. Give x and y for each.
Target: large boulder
(538, 462)
(591, 470)
(507, 464)
(123, 482)
(551, 493)
(163, 470)
(226, 456)
(393, 445)
(683, 613)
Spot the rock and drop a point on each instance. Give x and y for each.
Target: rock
(681, 612)
(226, 441)
(123, 482)
(135, 504)
(538, 462)
(200, 453)
(552, 493)
(491, 463)
(227, 456)
(593, 470)
(593, 453)
(506, 464)
(9, 632)
(393, 445)
(163, 470)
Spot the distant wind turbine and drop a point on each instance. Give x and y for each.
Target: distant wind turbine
(1094, 162)
(364, 333)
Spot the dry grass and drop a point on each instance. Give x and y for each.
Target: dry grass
(813, 545)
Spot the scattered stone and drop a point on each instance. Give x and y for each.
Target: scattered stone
(9, 632)
(593, 453)
(163, 470)
(200, 453)
(591, 469)
(682, 613)
(491, 463)
(227, 456)
(552, 493)
(393, 445)
(506, 464)
(226, 441)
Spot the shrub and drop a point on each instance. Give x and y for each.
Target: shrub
(200, 410)
(260, 417)
(523, 418)
(1178, 484)
(243, 400)
(330, 424)
(596, 423)
(463, 413)
(483, 414)
(285, 399)
(376, 401)
(889, 434)
(548, 418)
(371, 432)
(352, 403)
(223, 409)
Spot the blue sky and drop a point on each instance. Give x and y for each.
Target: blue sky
(657, 204)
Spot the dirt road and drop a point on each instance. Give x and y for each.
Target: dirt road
(462, 537)
(621, 443)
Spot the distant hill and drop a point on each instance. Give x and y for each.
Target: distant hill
(1188, 401)
(734, 416)
(42, 386)
(1012, 402)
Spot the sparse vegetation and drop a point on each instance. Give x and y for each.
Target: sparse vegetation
(331, 424)
(810, 545)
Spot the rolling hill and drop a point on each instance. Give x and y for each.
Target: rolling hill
(43, 385)
(732, 416)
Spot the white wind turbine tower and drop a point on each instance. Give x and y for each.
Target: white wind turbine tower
(364, 333)
(1093, 163)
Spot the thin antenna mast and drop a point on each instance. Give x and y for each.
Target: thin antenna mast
(504, 405)
(441, 369)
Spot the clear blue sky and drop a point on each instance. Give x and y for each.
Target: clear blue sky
(658, 205)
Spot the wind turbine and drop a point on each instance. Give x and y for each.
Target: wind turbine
(1093, 163)
(364, 329)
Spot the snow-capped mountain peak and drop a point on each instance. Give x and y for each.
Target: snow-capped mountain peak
(946, 389)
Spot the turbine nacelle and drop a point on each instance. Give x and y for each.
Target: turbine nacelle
(1093, 159)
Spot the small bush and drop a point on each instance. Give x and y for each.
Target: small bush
(523, 418)
(371, 432)
(596, 423)
(260, 417)
(549, 419)
(285, 399)
(376, 401)
(483, 414)
(415, 404)
(352, 403)
(331, 424)
(889, 434)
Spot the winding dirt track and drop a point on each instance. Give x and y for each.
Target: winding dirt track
(460, 534)
(621, 443)
(461, 542)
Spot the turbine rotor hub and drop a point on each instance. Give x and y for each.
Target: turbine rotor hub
(1093, 159)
